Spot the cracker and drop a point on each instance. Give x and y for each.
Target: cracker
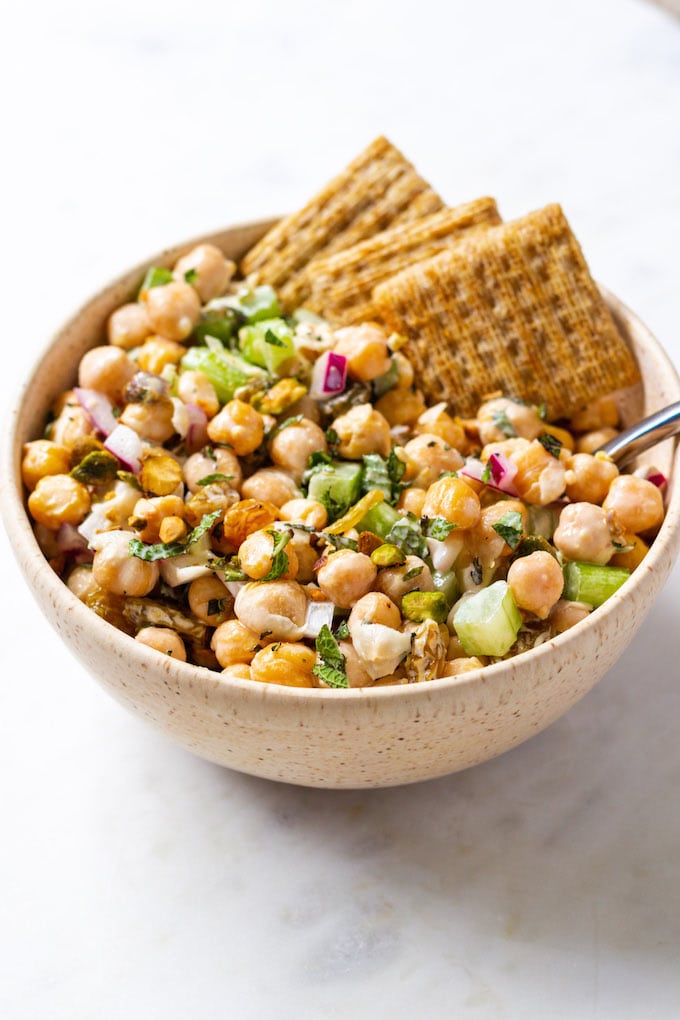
(513, 308)
(342, 284)
(378, 189)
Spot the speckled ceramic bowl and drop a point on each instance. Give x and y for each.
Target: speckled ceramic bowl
(355, 738)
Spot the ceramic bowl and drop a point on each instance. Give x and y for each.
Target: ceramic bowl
(328, 738)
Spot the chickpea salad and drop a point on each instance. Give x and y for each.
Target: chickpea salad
(271, 497)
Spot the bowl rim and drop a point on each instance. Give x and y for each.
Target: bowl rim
(25, 546)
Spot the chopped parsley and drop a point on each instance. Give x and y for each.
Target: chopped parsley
(510, 527)
(502, 422)
(331, 669)
(166, 550)
(550, 443)
(280, 562)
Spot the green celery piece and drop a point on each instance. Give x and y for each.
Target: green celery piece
(257, 303)
(448, 584)
(592, 583)
(217, 320)
(337, 486)
(226, 371)
(267, 343)
(156, 276)
(380, 520)
(488, 622)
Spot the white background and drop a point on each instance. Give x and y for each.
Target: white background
(139, 882)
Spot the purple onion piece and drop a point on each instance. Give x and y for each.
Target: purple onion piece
(125, 444)
(98, 408)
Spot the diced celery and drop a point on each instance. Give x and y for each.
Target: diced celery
(217, 320)
(337, 486)
(592, 583)
(156, 276)
(257, 303)
(380, 520)
(267, 343)
(448, 584)
(226, 371)
(488, 622)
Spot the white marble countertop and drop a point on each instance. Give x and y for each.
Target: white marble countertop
(140, 882)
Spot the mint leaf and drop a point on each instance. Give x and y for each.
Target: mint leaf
(437, 527)
(332, 667)
(502, 422)
(191, 275)
(216, 477)
(551, 443)
(166, 550)
(510, 528)
(270, 337)
(280, 562)
(407, 535)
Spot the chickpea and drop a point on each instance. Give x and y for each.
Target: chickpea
(460, 666)
(71, 426)
(59, 499)
(220, 462)
(115, 570)
(196, 388)
(590, 442)
(411, 500)
(366, 350)
(106, 369)
(354, 667)
(536, 582)
(238, 425)
(509, 447)
(173, 309)
(390, 581)
(272, 484)
(588, 478)
(273, 609)
(287, 663)
(400, 406)
(427, 456)
(151, 421)
(305, 511)
(210, 600)
(211, 271)
(41, 458)
(236, 671)
(540, 477)
(637, 503)
(164, 640)
(148, 515)
(291, 447)
(233, 643)
(435, 421)
(453, 499)
(157, 352)
(583, 533)
(346, 576)
(524, 419)
(307, 555)
(374, 607)
(565, 614)
(602, 413)
(633, 556)
(256, 555)
(128, 326)
(565, 437)
(362, 430)
(484, 542)
(81, 582)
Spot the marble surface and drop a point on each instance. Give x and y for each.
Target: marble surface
(137, 881)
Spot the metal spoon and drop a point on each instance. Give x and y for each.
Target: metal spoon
(646, 433)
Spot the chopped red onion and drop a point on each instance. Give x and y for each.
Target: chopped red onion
(329, 375)
(98, 408)
(656, 478)
(125, 444)
(196, 436)
(70, 540)
(499, 468)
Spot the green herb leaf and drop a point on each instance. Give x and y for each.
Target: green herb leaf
(129, 479)
(295, 420)
(166, 550)
(502, 422)
(191, 275)
(270, 337)
(216, 477)
(384, 475)
(342, 631)
(438, 528)
(407, 535)
(280, 562)
(332, 667)
(551, 443)
(510, 528)
(340, 542)
(216, 606)
(318, 458)
(156, 276)
(332, 437)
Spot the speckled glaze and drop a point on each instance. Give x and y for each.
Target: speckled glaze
(327, 738)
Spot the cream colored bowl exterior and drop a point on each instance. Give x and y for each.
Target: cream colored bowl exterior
(326, 738)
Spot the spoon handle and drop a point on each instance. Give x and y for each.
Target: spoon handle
(646, 433)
